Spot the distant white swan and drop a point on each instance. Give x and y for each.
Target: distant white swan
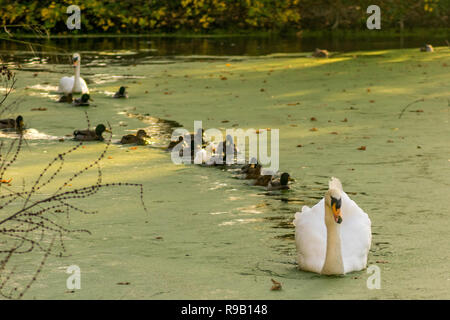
(73, 84)
(334, 236)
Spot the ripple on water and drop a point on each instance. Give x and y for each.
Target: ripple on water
(28, 134)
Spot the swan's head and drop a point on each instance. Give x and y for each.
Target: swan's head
(76, 59)
(333, 201)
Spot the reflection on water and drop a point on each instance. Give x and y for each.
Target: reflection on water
(104, 51)
(160, 130)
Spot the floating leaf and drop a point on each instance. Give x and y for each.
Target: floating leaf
(276, 285)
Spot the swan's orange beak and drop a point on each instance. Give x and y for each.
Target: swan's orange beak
(336, 213)
(336, 208)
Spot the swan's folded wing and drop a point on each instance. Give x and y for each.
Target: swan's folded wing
(84, 87)
(356, 236)
(310, 237)
(66, 84)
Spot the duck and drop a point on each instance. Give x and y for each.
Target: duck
(83, 101)
(253, 172)
(227, 147)
(66, 98)
(173, 143)
(427, 48)
(91, 135)
(73, 84)
(334, 236)
(139, 138)
(121, 93)
(250, 164)
(263, 180)
(17, 123)
(318, 53)
(279, 184)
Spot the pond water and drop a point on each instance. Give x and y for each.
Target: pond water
(208, 235)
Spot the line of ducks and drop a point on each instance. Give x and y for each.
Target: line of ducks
(97, 134)
(140, 138)
(218, 157)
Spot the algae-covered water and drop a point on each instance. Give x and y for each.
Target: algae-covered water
(209, 236)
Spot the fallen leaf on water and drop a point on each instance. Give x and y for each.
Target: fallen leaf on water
(313, 129)
(276, 285)
(362, 148)
(382, 261)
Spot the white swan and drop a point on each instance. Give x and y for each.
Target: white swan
(73, 84)
(334, 236)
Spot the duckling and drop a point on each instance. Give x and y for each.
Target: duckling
(121, 93)
(227, 147)
(253, 172)
(91, 135)
(320, 53)
(83, 101)
(66, 98)
(279, 184)
(172, 144)
(249, 165)
(427, 48)
(139, 138)
(263, 180)
(12, 124)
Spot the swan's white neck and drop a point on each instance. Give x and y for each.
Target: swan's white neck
(76, 82)
(333, 259)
